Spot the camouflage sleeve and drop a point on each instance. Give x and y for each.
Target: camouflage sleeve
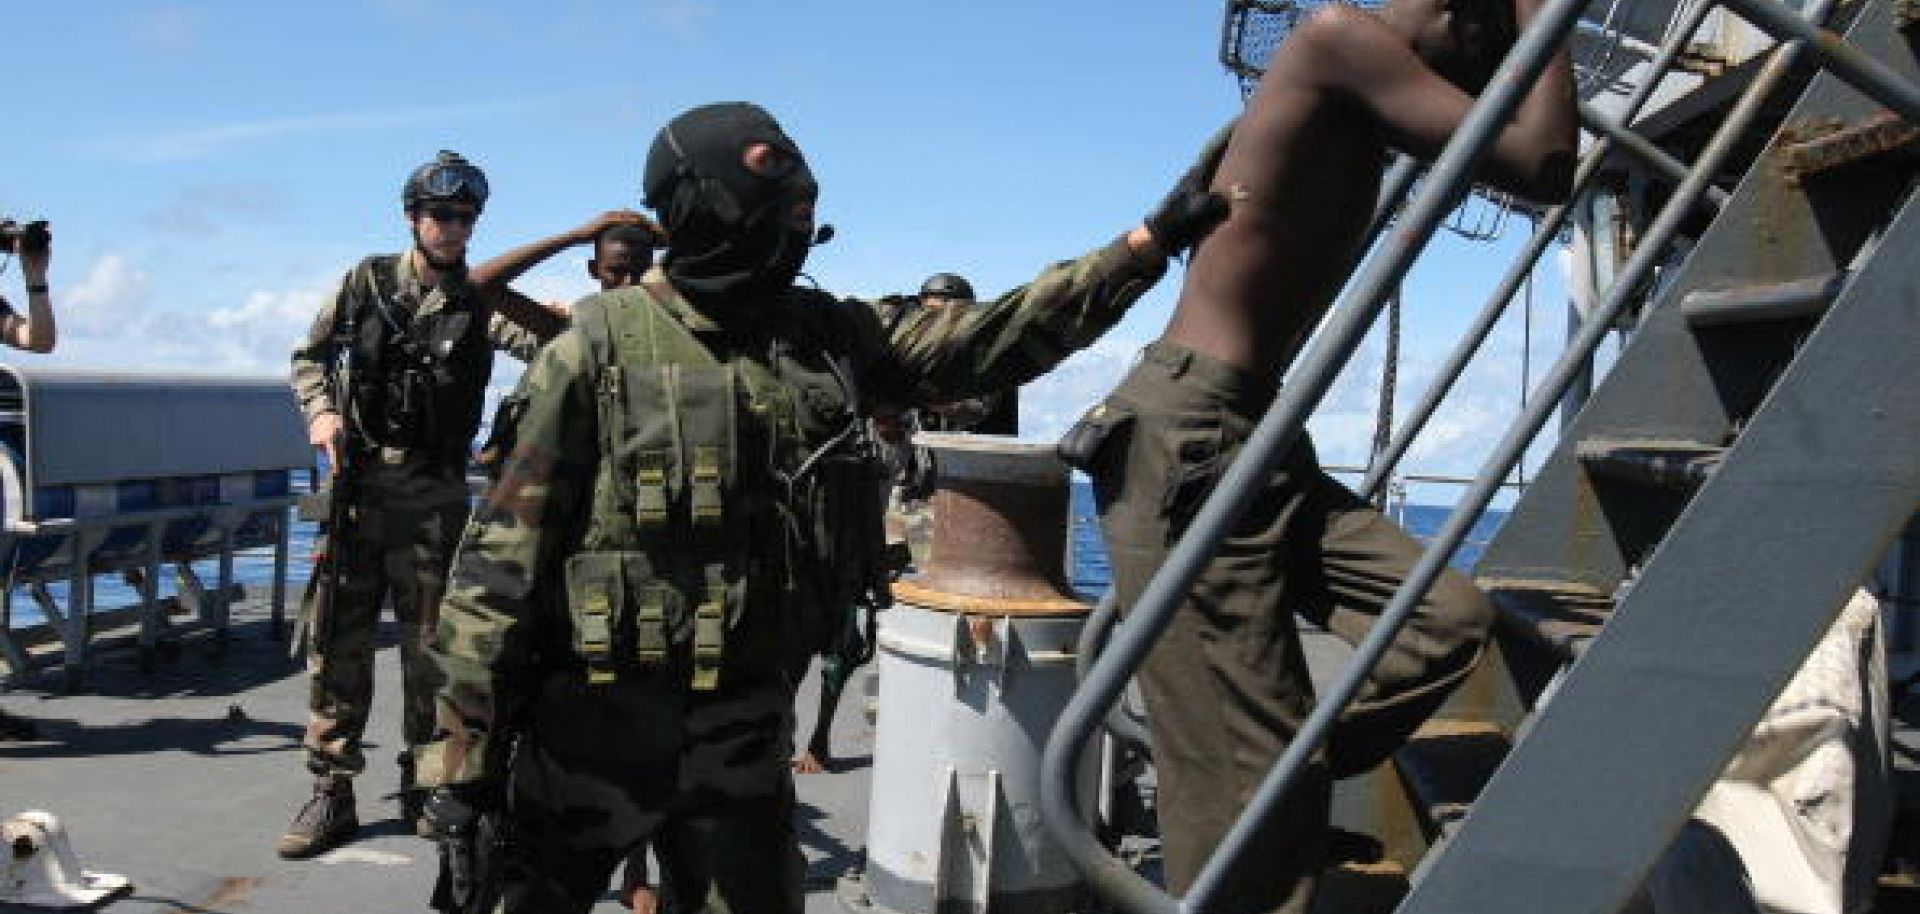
(313, 357)
(948, 355)
(507, 568)
(511, 338)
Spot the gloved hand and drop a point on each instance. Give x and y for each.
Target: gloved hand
(466, 821)
(1190, 210)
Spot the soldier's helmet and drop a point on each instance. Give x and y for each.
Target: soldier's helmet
(450, 178)
(947, 285)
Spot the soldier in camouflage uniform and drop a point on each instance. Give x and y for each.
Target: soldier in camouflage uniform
(422, 343)
(911, 478)
(685, 516)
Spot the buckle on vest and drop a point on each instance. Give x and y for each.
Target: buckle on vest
(596, 637)
(707, 507)
(709, 633)
(651, 630)
(650, 501)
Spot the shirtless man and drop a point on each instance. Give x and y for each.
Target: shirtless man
(1227, 685)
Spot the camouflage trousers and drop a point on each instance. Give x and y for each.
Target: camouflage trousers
(603, 771)
(398, 548)
(1227, 685)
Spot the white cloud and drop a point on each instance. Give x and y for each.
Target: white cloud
(106, 300)
(1053, 402)
(258, 333)
(1456, 442)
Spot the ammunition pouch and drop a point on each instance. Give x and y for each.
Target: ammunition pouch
(630, 615)
(672, 437)
(714, 461)
(424, 367)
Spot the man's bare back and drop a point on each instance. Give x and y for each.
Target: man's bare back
(1304, 165)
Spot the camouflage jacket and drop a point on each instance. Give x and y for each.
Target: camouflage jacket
(313, 357)
(504, 624)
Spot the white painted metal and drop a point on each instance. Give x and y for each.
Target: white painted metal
(40, 869)
(965, 706)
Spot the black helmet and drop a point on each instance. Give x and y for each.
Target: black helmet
(448, 177)
(947, 285)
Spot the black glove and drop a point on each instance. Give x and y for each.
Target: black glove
(468, 824)
(1190, 210)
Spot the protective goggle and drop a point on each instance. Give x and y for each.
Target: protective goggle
(445, 182)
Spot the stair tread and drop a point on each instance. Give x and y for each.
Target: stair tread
(1672, 464)
(1445, 764)
(1559, 615)
(1882, 137)
(1762, 301)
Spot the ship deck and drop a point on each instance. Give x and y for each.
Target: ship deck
(182, 777)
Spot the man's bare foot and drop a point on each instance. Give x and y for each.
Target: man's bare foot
(809, 763)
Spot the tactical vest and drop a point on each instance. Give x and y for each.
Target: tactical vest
(420, 379)
(735, 472)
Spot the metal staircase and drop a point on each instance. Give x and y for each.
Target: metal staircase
(1745, 462)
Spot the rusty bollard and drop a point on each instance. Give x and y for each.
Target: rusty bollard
(976, 660)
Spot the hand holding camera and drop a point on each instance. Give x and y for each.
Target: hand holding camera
(33, 241)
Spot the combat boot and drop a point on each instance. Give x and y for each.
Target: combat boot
(327, 821)
(413, 799)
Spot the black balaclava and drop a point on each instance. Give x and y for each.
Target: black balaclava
(730, 232)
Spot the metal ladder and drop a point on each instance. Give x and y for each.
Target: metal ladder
(1751, 454)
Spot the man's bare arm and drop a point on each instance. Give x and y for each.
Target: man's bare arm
(1357, 56)
(508, 267)
(492, 278)
(34, 330)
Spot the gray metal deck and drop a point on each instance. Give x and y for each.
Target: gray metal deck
(183, 779)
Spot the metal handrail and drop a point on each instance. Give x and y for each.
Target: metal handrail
(1475, 500)
(1399, 179)
(1643, 149)
(1543, 234)
(1873, 78)
(1512, 445)
(1276, 432)
(1282, 425)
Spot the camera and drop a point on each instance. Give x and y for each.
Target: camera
(32, 237)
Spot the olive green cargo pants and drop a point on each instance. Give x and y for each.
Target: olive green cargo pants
(1227, 685)
(399, 545)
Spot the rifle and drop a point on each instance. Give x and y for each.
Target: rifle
(332, 506)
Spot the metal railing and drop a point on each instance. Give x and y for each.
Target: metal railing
(1544, 233)
(1334, 346)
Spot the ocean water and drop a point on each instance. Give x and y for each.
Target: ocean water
(1089, 555)
(254, 569)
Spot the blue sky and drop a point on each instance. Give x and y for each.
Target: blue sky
(212, 168)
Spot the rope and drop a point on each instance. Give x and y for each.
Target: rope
(1389, 376)
(1526, 368)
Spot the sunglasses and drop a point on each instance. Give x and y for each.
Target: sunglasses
(448, 215)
